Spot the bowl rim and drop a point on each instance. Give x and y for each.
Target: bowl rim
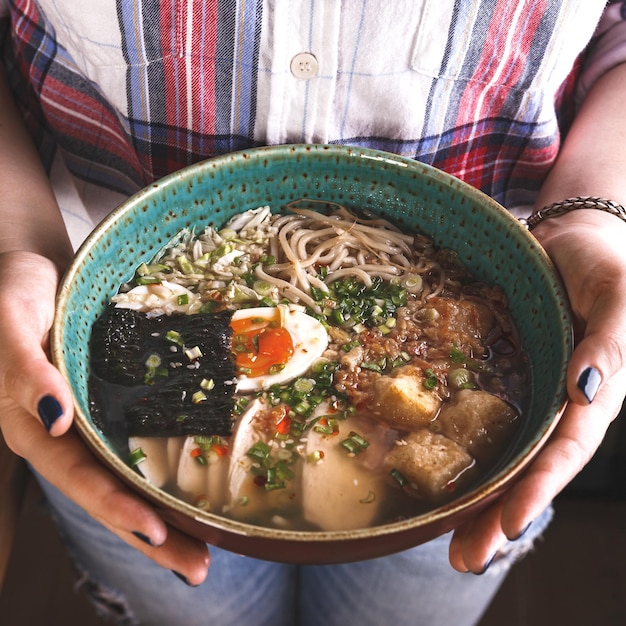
(482, 494)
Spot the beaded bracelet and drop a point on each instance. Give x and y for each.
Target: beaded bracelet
(571, 204)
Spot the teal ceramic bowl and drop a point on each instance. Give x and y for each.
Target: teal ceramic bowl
(497, 248)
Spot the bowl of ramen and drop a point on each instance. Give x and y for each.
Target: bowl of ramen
(312, 353)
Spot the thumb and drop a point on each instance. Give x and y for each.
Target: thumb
(601, 353)
(36, 385)
(27, 378)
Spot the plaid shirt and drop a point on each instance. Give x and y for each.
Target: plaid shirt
(483, 89)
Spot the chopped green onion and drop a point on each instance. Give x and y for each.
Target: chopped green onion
(374, 367)
(204, 440)
(371, 497)
(316, 456)
(457, 355)
(154, 369)
(460, 378)
(223, 250)
(185, 264)
(174, 336)
(429, 314)
(430, 382)
(248, 278)
(271, 486)
(193, 353)
(136, 456)
(259, 451)
(326, 426)
(262, 287)
(277, 367)
(207, 384)
(355, 444)
(153, 361)
(297, 428)
(320, 366)
(198, 397)
(203, 503)
(303, 385)
(337, 317)
(240, 405)
(318, 294)
(413, 283)
(148, 280)
(399, 477)
(143, 270)
(209, 306)
(302, 408)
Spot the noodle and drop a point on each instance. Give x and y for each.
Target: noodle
(288, 288)
(339, 240)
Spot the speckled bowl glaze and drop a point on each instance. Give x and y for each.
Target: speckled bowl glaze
(415, 196)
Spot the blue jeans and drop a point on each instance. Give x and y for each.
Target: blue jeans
(416, 587)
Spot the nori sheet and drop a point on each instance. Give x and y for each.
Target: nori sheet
(121, 342)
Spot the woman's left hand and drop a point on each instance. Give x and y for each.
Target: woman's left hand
(588, 249)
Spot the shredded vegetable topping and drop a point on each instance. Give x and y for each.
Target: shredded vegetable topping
(352, 270)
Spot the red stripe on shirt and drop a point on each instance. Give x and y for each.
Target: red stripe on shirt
(492, 63)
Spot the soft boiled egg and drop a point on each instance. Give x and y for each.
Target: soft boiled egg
(273, 345)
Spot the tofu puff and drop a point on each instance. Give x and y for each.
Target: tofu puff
(443, 440)
(402, 400)
(479, 422)
(429, 465)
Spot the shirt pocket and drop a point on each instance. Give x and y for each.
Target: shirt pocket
(430, 54)
(123, 34)
(512, 44)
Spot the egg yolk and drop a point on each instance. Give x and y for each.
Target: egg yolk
(261, 346)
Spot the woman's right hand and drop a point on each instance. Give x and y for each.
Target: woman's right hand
(36, 412)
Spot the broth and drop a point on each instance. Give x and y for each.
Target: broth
(372, 378)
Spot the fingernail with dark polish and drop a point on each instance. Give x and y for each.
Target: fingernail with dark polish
(143, 538)
(522, 532)
(487, 564)
(183, 578)
(589, 383)
(49, 409)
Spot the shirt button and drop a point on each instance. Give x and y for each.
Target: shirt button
(304, 65)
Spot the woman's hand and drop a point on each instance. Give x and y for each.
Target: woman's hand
(36, 416)
(35, 402)
(587, 246)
